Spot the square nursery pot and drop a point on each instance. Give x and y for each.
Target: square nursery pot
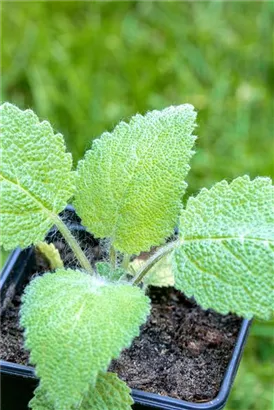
(18, 382)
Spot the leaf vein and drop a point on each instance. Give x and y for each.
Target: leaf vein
(194, 263)
(243, 263)
(28, 194)
(222, 238)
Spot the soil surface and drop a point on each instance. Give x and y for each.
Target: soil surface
(182, 351)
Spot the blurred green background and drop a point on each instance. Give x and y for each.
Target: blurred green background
(86, 65)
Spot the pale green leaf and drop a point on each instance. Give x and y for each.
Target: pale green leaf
(51, 254)
(75, 324)
(109, 393)
(130, 184)
(161, 274)
(226, 253)
(36, 180)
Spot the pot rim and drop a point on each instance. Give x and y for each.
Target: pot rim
(139, 396)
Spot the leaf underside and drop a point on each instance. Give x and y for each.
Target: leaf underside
(36, 180)
(226, 256)
(75, 324)
(130, 184)
(109, 393)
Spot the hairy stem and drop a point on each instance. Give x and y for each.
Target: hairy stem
(112, 257)
(126, 260)
(73, 244)
(154, 259)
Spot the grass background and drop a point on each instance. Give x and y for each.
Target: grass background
(86, 65)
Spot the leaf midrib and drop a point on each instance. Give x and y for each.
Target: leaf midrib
(224, 238)
(118, 213)
(18, 186)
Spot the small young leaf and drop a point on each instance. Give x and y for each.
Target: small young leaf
(105, 270)
(75, 324)
(226, 256)
(36, 180)
(51, 254)
(130, 184)
(109, 393)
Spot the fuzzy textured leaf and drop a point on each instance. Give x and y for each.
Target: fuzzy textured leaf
(226, 256)
(36, 180)
(109, 393)
(51, 254)
(130, 184)
(77, 323)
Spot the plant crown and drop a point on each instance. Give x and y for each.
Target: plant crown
(129, 189)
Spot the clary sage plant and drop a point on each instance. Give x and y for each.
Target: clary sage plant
(129, 189)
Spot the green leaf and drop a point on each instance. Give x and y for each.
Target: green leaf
(130, 184)
(105, 270)
(227, 247)
(36, 180)
(161, 274)
(109, 393)
(51, 254)
(75, 324)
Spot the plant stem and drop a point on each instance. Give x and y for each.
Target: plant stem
(112, 256)
(154, 259)
(73, 244)
(126, 260)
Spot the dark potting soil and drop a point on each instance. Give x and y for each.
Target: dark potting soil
(182, 350)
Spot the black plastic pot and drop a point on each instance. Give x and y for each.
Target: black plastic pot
(18, 382)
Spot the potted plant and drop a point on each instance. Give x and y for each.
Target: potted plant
(128, 189)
